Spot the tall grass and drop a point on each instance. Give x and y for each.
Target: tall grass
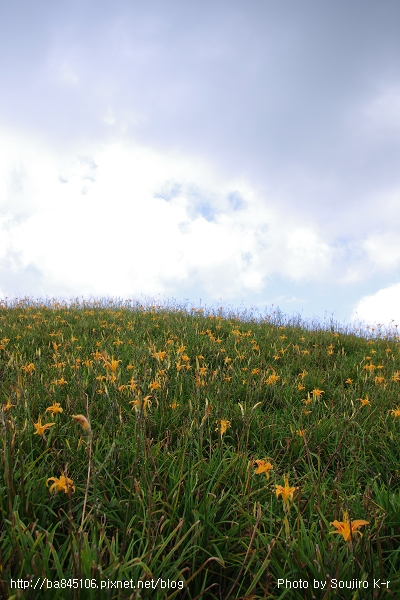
(163, 484)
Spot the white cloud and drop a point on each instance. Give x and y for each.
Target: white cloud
(383, 250)
(307, 254)
(382, 307)
(376, 253)
(122, 219)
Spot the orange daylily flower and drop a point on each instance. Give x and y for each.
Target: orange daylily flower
(348, 528)
(154, 385)
(61, 485)
(272, 379)
(40, 429)
(395, 412)
(8, 405)
(285, 491)
(364, 401)
(139, 404)
(111, 365)
(54, 408)
(223, 426)
(263, 467)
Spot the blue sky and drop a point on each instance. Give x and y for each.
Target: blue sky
(244, 153)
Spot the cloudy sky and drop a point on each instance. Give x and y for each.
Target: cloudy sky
(243, 152)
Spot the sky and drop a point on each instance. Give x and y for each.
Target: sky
(238, 153)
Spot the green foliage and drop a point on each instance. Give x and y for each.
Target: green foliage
(179, 406)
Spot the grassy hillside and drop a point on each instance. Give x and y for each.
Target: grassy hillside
(154, 452)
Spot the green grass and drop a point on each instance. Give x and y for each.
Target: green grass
(158, 490)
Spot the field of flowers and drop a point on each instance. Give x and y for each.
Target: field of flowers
(168, 452)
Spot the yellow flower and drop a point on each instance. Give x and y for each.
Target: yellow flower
(285, 491)
(395, 412)
(349, 381)
(364, 401)
(136, 404)
(132, 384)
(263, 467)
(40, 429)
(154, 385)
(139, 404)
(8, 405)
(55, 408)
(223, 426)
(272, 379)
(61, 381)
(317, 393)
(83, 422)
(97, 355)
(111, 365)
(369, 367)
(61, 485)
(347, 528)
(59, 365)
(396, 376)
